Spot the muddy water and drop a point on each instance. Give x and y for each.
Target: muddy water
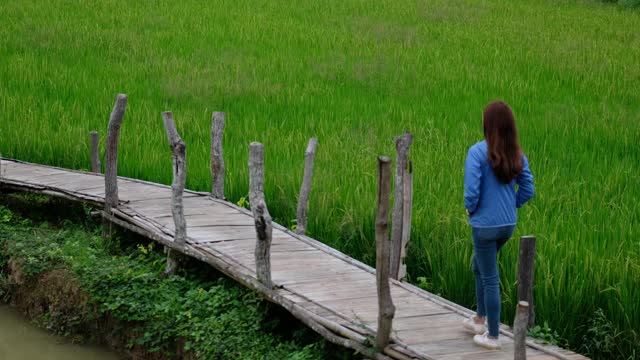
(19, 340)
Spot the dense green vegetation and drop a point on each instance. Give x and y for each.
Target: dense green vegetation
(626, 3)
(198, 311)
(355, 73)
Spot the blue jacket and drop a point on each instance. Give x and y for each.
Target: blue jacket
(490, 202)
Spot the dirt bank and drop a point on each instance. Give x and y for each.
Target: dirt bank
(55, 300)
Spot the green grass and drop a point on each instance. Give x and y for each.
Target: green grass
(354, 74)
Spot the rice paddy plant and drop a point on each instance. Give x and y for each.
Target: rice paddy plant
(354, 74)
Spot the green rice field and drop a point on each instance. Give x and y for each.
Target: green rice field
(354, 74)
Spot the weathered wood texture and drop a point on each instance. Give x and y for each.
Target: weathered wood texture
(403, 143)
(217, 158)
(179, 160)
(520, 331)
(305, 189)
(407, 211)
(111, 153)
(261, 215)
(386, 310)
(95, 152)
(333, 294)
(526, 268)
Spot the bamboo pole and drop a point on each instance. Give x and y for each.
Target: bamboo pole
(95, 152)
(217, 159)
(386, 310)
(526, 268)
(520, 331)
(403, 143)
(179, 157)
(261, 217)
(303, 200)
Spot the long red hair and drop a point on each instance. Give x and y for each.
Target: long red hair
(505, 155)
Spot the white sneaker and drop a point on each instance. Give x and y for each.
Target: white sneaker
(486, 342)
(471, 325)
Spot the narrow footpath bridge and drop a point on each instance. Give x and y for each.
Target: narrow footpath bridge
(330, 292)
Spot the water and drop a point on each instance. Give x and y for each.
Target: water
(20, 340)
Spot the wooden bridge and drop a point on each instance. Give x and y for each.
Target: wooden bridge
(330, 292)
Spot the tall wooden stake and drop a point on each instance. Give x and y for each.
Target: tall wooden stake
(179, 157)
(386, 310)
(111, 160)
(217, 159)
(526, 267)
(407, 203)
(520, 331)
(95, 152)
(305, 189)
(261, 217)
(403, 143)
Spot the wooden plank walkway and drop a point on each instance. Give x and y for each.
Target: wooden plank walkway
(328, 290)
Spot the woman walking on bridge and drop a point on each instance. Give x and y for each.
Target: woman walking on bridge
(493, 168)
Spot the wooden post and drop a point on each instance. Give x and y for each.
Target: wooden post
(111, 160)
(386, 310)
(520, 331)
(179, 157)
(526, 267)
(261, 217)
(95, 152)
(407, 202)
(303, 200)
(402, 147)
(217, 160)
(111, 154)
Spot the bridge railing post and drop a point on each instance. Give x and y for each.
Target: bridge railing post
(403, 143)
(526, 267)
(179, 160)
(261, 217)
(407, 203)
(520, 331)
(305, 188)
(95, 152)
(217, 159)
(386, 309)
(111, 160)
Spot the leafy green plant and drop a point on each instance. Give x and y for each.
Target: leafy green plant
(5, 215)
(243, 202)
(601, 338)
(545, 334)
(423, 283)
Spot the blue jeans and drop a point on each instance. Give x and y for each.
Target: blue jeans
(486, 244)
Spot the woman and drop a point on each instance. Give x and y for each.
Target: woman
(493, 168)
